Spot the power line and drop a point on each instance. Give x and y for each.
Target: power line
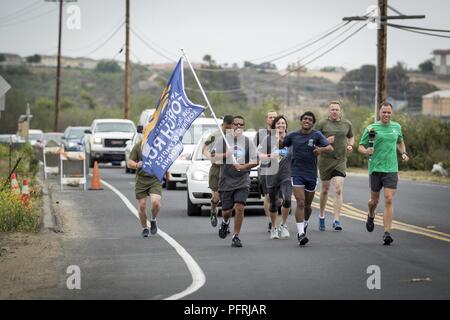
(169, 53)
(321, 55)
(28, 20)
(416, 28)
(22, 11)
(119, 23)
(151, 47)
(106, 41)
(326, 44)
(304, 43)
(415, 31)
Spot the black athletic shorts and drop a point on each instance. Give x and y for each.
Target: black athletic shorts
(229, 198)
(378, 180)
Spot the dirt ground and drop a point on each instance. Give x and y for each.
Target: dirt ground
(32, 262)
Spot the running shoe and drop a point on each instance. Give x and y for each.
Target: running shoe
(153, 227)
(337, 225)
(214, 217)
(305, 226)
(283, 232)
(370, 224)
(145, 232)
(321, 224)
(224, 230)
(387, 239)
(236, 242)
(274, 234)
(302, 239)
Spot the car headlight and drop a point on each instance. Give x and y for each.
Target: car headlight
(199, 175)
(98, 140)
(72, 144)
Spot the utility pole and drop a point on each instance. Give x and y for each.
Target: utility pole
(127, 61)
(58, 69)
(58, 64)
(381, 73)
(381, 92)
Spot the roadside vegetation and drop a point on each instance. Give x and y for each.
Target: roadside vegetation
(14, 214)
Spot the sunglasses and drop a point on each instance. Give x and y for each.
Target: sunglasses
(239, 124)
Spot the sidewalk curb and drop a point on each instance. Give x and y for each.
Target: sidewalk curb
(50, 219)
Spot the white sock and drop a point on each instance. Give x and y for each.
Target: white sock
(226, 222)
(300, 227)
(321, 216)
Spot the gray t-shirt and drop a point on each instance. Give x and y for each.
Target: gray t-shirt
(283, 158)
(244, 151)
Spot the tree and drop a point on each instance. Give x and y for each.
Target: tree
(211, 63)
(108, 66)
(426, 66)
(2, 57)
(34, 58)
(359, 84)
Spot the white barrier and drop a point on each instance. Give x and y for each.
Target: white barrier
(50, 158)
(77, 177)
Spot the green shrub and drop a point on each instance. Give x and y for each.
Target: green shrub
(14, 216)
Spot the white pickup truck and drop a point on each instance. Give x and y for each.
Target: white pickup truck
(105, 141)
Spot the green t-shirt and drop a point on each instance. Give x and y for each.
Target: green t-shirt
(341, 130)
(387, 136)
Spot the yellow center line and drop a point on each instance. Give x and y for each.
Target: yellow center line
(360, 215)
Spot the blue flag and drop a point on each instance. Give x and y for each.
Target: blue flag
(163, 135)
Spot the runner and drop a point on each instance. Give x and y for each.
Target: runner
(214, 170)
(333, 166)
(262, 134)
(278, 182)
(234, 183)
(307, 144)
(380, 142)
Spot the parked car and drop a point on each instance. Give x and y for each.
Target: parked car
(53, 136)
(106, 139)
(35, 137)
(9, 138)
(199, 127)
(198, 192)
(73, 138)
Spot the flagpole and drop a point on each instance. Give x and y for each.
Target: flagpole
(208, 104)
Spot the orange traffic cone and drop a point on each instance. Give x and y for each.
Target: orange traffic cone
(14, 185)
(95, 182)
(25, 193)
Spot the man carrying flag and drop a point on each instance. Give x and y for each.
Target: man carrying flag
(161, 145)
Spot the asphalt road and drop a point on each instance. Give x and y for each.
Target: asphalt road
(117, 263)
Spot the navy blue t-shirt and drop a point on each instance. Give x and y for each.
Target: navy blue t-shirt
(304, 161)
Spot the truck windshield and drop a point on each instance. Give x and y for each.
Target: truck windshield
(114, 127)
(195, 132)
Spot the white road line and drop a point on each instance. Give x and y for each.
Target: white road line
(198, 277)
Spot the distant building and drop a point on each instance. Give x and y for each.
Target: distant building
(67, 62)
(10, 59)
(441, 64)
(437, 104)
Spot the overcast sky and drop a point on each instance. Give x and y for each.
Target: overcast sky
(231, 31)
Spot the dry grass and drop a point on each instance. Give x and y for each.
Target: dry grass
(424, 176)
